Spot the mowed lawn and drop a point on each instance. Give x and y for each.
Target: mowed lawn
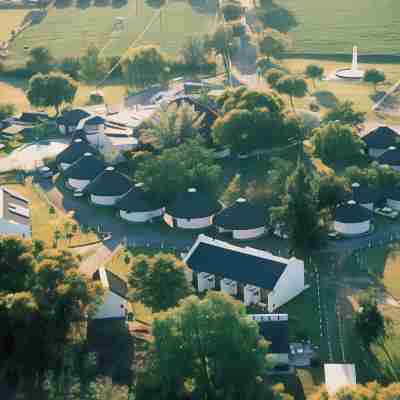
(69, 31)
(335, 26)
(9, 20)
(327, 93)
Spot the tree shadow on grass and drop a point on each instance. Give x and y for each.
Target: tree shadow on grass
(378, 95)
(326, 99)
(155, 3)
(119, 3)
(63, 3)
(83, 4)
(101, 3)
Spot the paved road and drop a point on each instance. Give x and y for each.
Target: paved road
(135, 235)
(29, 157)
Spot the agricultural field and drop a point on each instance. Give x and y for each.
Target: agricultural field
(335, 26)
(10, 20)
(69, 30)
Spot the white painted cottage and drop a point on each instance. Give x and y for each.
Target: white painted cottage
(255, 276)
(135, 206)
(192, 210)
(114, 304)
(83, 171)
(108, 187)
(351, 219)
(14, 214)
(380, 139)
(243, 220)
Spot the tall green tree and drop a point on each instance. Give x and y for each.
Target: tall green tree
(276, 17)
(293, 87)
(43, 299)
(232, 11)
(174, 124)
(159, 282)
(314, 72)
(345, 113)
(337, 143)
(272, 43)
(374, 76)
(194, 53)
(331, 191)
(233, 191)
(92, 65)
(144, 66)
(215, 348)
(298, 213)
(40, 60)
(7, 110)
(51, 90)
(273, 75)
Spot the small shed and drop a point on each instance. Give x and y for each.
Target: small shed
(108, 187)
(338, 376)
(135, 206)
(243, 219)
(352, 219)
(365, 195)
(192, 210)
(94, 125)
(380, 139)
(114, 304)
(83, 171)
(73, 153)
(391, 157)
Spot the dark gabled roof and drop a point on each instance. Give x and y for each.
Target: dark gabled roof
(208, 113)
(116, 284)
(136, 201)
(33, 117)
(381, 138)
(241, 215)
(95, 120)
(73, 117)
(363, 194)
(236, 265)
(276, 332)
(351, 212)
(193, 204)
(390, 157)
(74, 151)
(109, 183)
(393, 193)
(87, 167)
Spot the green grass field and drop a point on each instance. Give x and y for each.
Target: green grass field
(69, 31)
(335, 26)
(10, 19)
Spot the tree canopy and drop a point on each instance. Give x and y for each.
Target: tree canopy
(159, 282)
(276, 17)
(292, 86)
(271, 43)
(331, 191)
(40, 60)
(215, 348)
(43, 297)
(374, 76)
(345, 113)
(190, 164)
(7, 110)
(51, 90)
(92, 66)
(144, 66)
(314, 72)
(336, 142)
(232, 11)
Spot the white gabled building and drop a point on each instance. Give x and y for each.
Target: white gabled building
(114, 304)
(255, 276)
(14, 214)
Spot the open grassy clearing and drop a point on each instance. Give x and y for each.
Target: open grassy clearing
(68, 31)
(10, 20)
(327, 93)
(335, 26)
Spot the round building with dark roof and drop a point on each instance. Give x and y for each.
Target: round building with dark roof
(192, 210)
(352, 219)
(243, 219)
(73, 153)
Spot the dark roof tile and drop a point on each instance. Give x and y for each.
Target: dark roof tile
(87, 167)
(381, 138)
(109, 183)
(351, 212)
